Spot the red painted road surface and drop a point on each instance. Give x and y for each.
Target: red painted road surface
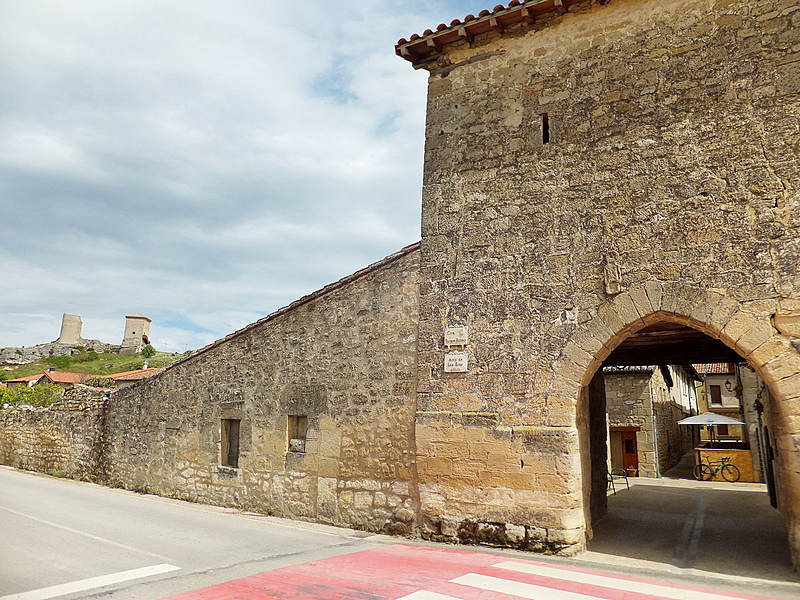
(413, 573)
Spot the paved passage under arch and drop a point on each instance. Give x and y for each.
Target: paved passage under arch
(716, 527)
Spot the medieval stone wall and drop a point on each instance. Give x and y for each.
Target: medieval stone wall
(64, 439)
(585, 176)
(344, 359)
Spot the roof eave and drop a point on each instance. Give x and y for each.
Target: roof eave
(422, 50)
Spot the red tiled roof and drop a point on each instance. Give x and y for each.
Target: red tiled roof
(715, 369)
(135, 375)
(418, 49)
(24, 379)
(62, 377)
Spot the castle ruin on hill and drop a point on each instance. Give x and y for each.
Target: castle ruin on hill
(136, 335)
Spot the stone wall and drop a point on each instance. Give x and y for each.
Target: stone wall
(64, 439)
(666, 188)
(343, 358)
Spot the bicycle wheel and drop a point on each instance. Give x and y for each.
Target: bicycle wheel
(703, 472)
(731, 473)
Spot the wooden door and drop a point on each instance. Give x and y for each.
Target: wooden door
(630, 453)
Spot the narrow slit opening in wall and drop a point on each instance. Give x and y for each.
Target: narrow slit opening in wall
(297, 430)
(230, 442)
(545, 128)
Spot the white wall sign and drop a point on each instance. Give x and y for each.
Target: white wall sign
(455, 362)
(455, 336)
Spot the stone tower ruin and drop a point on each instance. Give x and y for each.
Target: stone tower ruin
(137, 332)
(71, 326)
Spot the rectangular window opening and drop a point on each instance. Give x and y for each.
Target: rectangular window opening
(297, 429)
(545, 129)
(230, 442)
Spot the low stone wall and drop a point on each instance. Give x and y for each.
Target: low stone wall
(64, 439)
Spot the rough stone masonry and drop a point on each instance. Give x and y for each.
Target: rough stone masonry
(592, 169)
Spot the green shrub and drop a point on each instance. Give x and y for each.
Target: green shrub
(60, 362)
(148, 351)
(41, 394)
(102, 382)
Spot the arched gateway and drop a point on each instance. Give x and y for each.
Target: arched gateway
(592, 169)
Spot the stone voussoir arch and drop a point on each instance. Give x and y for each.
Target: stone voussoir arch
(775, 356)
(750, 333)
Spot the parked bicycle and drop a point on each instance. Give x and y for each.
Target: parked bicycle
(706, 471)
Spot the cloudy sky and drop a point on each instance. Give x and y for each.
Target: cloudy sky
(201, 162)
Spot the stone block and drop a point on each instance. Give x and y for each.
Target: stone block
(787, 388)
(787, 322)
(722, 313)
(627, 311)
(755, 338)
(578, 355)
(782, 366)
(587, 342)
(655, 293)
(641, 301)
(608, 314)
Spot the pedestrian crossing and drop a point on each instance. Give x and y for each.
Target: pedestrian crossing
(407, 572)
(541, 582)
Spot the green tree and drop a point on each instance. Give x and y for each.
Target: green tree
(148, 351)
(42, 394)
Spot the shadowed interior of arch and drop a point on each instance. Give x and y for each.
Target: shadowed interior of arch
(666, 342)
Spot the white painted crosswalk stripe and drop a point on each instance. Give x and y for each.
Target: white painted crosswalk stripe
(651, 589)
(515, 588)
(426, 595)
(624, 589)
(91, 583)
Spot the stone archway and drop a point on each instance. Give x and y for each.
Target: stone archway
(745, 328)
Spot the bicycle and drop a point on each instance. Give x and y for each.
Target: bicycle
(707, 471)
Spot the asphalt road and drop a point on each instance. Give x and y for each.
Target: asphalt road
(56, 532)
(65, 539)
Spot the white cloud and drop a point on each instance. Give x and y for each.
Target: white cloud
(203, 162)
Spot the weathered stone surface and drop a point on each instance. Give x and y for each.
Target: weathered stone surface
(65, 439)
(667, 190)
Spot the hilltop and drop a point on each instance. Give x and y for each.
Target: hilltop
(91, 362)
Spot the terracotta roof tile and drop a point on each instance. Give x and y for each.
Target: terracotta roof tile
(715, 369)
(63, 377)
(420, 49)
(23, 379)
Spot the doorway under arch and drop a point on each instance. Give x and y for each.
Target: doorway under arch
(660, 337)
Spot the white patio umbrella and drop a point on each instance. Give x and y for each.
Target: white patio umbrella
(710, 419)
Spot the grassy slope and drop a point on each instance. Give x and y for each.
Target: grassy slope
(105, 364)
